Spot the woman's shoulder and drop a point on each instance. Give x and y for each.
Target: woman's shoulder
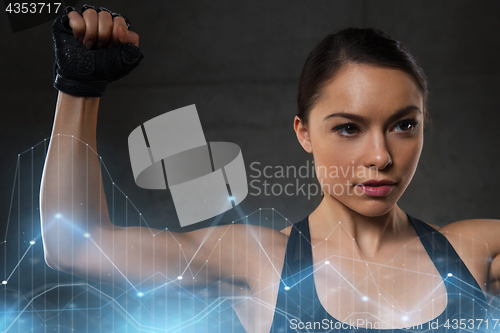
(478, 236)
(286, 231)
(477, 241)
(479, 229)
(476, 232)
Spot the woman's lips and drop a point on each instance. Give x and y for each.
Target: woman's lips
(376, 191)
(377, 188)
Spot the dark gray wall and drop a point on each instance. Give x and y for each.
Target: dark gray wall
(239, 62)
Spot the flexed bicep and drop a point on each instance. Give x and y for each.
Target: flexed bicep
(227, 260)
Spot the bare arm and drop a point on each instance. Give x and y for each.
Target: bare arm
(79, 237)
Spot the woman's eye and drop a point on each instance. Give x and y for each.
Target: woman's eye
(346, 129)
(406, 125)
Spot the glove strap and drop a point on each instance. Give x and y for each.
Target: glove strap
(80, 88)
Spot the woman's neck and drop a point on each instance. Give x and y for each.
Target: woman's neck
(369, 232)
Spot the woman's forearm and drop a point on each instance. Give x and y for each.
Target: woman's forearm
(72, 200)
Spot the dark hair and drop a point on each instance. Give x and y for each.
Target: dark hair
(353, 46)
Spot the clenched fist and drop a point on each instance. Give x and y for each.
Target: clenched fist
(92, 49)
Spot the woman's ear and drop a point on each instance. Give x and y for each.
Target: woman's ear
(302, 134)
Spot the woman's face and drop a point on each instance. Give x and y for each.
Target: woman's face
(367, 125)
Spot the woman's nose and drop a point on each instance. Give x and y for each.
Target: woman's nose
(377, 153)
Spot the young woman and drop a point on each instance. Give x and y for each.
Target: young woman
(357, 262)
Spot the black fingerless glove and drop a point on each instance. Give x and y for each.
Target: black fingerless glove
(83, 72)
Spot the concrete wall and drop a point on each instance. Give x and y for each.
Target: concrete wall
(239, 62)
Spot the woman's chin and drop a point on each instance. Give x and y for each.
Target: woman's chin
(375, 211)
(371, 207)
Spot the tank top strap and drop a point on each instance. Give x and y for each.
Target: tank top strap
(442, 253)
(457, 277)
(296, 295)
(298, 255)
